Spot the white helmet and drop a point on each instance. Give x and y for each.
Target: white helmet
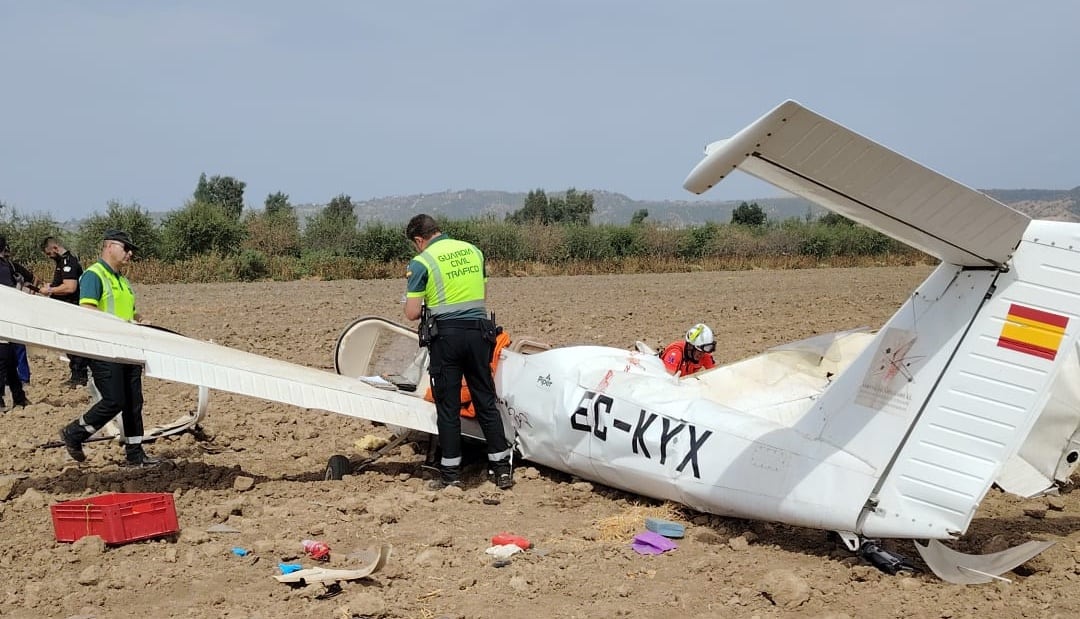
(700, 336)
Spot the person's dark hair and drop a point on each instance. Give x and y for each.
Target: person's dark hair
(422, 226)
(49, 239)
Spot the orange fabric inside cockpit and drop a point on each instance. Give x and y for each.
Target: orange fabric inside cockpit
(467, 410)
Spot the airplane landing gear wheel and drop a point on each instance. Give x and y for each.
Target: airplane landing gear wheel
(337, 467)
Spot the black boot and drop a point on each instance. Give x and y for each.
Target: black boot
(73, 443)
(138, 458)
(501, 474)
(448, 476)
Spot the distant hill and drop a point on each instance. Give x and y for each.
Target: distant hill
(617, 208)
(611, 207)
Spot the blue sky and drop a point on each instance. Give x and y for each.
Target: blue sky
(132, 100)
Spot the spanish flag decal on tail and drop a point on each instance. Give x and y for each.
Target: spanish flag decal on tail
(1033, 331)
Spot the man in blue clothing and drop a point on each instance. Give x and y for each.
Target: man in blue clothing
(13, 275)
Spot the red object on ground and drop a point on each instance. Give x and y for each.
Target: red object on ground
(509, 538)
(316, 550)
(117, 518)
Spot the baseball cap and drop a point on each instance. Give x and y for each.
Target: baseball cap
(122, 237)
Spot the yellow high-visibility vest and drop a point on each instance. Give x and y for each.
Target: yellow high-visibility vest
(117, 297)
(455, 281)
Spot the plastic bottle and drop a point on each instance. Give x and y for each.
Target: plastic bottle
(316, 550)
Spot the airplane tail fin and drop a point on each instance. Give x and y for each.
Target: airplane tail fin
(955, 381)
(989, 395)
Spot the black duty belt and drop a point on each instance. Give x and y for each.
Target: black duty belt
(475, 323)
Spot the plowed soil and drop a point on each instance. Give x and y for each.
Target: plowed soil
(261, 473)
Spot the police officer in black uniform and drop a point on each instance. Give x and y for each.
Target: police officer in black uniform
(13, 275)
(65, 287)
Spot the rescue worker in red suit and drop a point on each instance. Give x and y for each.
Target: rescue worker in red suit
(692, 353)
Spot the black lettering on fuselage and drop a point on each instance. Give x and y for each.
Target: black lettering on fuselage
(639, 432)
(666, 435)
(691, 456)
(595, 405)
(580, 419)
(605, 401)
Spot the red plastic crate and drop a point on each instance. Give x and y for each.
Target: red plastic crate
(117, 518)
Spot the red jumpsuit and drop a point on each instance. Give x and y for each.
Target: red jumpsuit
(674, 362)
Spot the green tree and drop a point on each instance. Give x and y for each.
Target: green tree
(333, 230)
(639, 216)
(130, 218)
(578, 208)
(574, 208)
(750, 215)
(278, 203)
(200, 228)
(341, 208)
(225, 191)
(534, 210)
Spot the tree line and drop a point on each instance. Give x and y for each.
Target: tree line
(212, 237)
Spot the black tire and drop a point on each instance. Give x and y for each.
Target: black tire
(337, 467)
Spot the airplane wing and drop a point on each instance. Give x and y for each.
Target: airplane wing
(62, 326)
(815, 158)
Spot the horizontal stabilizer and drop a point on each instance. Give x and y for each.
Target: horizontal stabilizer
(815, 158)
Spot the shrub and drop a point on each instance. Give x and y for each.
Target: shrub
(627, 241)
(661, 242)
(500, 240)
(25, 233)
(697, 241)
(589, 243)
(200, 228)
(130, 218)
(545, 244)
(273, 232)
(381, 243)
(251, 265)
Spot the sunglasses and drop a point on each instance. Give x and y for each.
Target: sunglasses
(127, 248)
(710, 347)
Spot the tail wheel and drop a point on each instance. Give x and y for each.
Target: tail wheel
(337, 467)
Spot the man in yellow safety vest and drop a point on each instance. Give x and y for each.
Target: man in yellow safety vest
(447, 276)
(103, 288)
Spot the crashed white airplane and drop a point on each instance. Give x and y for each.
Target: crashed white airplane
(893, 434)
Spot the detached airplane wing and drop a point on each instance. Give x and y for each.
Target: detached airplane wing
(44, 322)
(813, 157)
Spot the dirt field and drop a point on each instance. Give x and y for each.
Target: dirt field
(722, 568)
